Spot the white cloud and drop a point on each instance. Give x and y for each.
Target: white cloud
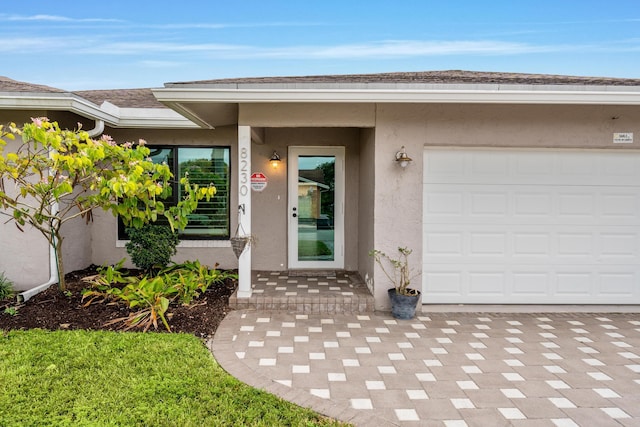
(96, 44)
(403, 48)
(161, 64)
(138, 48)
(216, 26)
(52, 18)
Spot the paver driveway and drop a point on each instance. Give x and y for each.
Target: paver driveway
(443, 369)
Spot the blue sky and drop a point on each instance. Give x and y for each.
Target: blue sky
(80, 44)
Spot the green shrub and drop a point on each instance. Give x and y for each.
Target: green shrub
(149, 297)
(6, 287)
(152, 246)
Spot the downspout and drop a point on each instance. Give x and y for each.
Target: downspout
(54, 274)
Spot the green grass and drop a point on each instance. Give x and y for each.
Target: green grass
(82, 378)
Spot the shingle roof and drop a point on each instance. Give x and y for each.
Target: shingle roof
(10, 85)
(125, 98)
(429, 77)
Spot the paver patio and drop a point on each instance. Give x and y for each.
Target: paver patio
(443, 369)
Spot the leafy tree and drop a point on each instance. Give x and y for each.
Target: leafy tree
(60, 175)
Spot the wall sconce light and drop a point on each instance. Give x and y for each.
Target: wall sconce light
(274, 160)
(402, 158)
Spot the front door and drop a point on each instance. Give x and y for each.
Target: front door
(316, 207)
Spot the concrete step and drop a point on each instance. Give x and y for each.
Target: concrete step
(334, 292)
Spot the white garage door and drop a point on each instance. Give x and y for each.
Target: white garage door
(531, 227)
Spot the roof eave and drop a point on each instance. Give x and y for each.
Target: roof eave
(188, 114)
(148, 117)
(579, 95)
(114, 116)
(55, 101)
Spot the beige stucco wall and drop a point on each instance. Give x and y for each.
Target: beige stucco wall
(541, 126)
(307, 115)
(366, 201)
(398, 191)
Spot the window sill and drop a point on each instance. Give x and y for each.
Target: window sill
(190, 243)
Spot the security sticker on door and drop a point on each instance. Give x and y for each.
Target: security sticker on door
(258, 181)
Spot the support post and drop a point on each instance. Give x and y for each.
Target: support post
(244, 202)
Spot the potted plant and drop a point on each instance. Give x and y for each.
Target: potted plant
(403, 298)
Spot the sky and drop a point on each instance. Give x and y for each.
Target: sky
(85, 44)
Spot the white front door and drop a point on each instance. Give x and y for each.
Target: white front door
(316, 207)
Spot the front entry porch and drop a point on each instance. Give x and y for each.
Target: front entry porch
(306, 292)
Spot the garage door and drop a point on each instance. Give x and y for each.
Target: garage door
(531, 227)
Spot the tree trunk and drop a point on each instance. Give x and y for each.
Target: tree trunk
(60, 263)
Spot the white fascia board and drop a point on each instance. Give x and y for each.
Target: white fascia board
(478, 96)
(111, 114)
(164, 118)
(56, 101)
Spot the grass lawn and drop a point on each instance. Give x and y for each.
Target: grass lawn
(83, 378)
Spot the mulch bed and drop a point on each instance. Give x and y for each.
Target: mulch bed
(53, 309)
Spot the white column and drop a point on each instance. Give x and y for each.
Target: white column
(244, 202)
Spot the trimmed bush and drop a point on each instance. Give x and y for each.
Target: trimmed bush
(152, 246)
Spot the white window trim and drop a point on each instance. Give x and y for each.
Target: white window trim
(190, 243)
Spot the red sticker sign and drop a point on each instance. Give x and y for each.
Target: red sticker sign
(258, 181)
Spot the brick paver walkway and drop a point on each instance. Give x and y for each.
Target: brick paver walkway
(443, 369)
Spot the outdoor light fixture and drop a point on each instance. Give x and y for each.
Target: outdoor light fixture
(275, 160)
(402, 158)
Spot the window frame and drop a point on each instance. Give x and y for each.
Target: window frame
(175, 182)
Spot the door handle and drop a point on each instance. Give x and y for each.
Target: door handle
(295, 215)
(294, 212)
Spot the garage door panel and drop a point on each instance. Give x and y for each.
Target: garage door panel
(536, 167)
(536, 205)
(623, 168)
(500, 243)
(574, 283)
(616, 206)
(617, 284)
(445, 244)
(486, 283)
(528, 283)
(577, 204)
(443, 283)
(618, 245)
(444, 203)
(519, 226)
(531, 244)
(529, 204)
(576, 244)
(488, 203)
(488, 243)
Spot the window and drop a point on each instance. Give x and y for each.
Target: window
(205, 165)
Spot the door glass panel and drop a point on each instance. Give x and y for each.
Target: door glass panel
(316, 208)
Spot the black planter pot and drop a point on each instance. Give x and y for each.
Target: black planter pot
(403, 306)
